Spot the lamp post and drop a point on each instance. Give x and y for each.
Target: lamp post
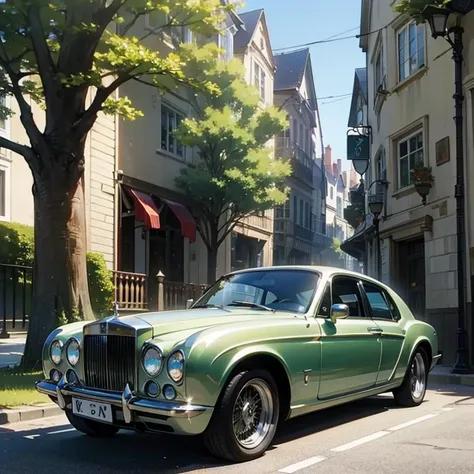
(376, 203)
(438, 20)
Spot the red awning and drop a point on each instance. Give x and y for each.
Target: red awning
(145, 209)
(188, 224)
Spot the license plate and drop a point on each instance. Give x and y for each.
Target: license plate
(94, 410)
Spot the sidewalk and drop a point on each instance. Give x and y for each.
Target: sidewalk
(442, 375)
(11, 350)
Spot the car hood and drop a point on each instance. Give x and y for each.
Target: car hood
(167, 323)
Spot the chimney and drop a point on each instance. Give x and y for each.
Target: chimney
(353, 176)
(344, 177)
(339, 166)
(334, 170)
(328, 157)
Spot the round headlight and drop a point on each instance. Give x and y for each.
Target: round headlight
(176, 366)
(152, 361)
(72, 352)
(56, 352)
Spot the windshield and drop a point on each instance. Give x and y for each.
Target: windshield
(281, 290)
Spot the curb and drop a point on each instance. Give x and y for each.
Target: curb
(28, 413)
(451, 379)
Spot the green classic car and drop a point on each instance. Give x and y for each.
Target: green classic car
(259, 347)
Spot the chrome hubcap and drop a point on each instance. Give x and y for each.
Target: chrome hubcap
(252, 414)
(418, 376)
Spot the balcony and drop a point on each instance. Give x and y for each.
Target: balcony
(316, 237)
(301, 163)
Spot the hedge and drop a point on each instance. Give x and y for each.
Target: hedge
(17, 248)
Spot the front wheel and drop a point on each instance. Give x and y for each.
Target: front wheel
(91, 427)
(413, 389)
(246, 417)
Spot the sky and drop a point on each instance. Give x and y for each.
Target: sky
(296, 22)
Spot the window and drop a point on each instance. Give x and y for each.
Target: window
(331, 192)
(295, 130)
(170, 121)
(324, 309)
(380, 171)
(160, 21)
(3, 122)
(339, 206)
(411, 50)
(259, 80)
(295, 208)
(380, 303)
(410, 152)
(4, 191)
(379, 75)
(301, 221)
(346, 291)
(307, 216)
(226, 42)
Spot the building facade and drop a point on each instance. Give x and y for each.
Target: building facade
(300, 227)
(252, 240)
(410, 108)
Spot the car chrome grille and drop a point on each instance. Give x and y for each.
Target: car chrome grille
(109, 362)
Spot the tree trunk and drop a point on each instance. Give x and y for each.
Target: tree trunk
(212, 265)
(60, 288)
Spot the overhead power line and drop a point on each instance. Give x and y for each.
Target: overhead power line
(329, 40)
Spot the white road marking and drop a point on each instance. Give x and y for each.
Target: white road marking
(61, 431)
(413, 422)
(358, 442)
(32, 436)
(303, 464)
(447, 409)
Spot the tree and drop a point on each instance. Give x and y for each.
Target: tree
(71, 57)
(236, 175)
(333, 256)
(415, 7)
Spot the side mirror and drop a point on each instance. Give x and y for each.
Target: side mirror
(189, 303)
(339, 311)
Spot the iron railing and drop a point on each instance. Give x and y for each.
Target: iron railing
(16, 283)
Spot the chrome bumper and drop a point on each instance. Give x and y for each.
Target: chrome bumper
(127, 401)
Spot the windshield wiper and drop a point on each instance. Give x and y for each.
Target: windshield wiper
(251, 305)
(208, 305)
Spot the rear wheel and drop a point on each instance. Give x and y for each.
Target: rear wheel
(413, 389)
(246, 417)
(91, 427)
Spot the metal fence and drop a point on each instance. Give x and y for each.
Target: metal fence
(16, 283)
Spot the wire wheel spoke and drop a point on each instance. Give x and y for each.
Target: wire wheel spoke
(417, 376)
(252, 413)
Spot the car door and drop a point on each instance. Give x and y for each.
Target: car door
(385, 315)
(350, 348)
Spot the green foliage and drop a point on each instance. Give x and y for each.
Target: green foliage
(17, 248)
(334, 256)
(415, 7)
(236, 174)
(55, 51)
(101, 287)
(16, 244)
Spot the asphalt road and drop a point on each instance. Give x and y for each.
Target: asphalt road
(11, 351)
(370, 436)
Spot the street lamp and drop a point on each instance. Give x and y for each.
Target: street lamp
(438, 21)
(376, 203)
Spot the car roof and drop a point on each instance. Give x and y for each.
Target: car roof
(325, 271)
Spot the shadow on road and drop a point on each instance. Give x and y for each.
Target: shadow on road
(129, 451)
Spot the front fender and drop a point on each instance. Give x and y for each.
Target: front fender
(206, 377)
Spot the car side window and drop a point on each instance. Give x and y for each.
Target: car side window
(324, 310)
(346, 291)
(380, 303)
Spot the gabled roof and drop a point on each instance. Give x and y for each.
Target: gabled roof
(291, 68)
(359, 88)
(243, 37)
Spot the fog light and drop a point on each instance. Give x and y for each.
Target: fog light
(152, 389)
(72, 376)
(55, 375)
(169, 392)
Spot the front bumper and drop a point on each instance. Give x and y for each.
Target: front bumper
(178, 417)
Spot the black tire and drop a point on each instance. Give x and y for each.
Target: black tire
(91, 427)
(408, 394)
(219, 437)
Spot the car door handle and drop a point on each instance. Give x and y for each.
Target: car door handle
(375, 331)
